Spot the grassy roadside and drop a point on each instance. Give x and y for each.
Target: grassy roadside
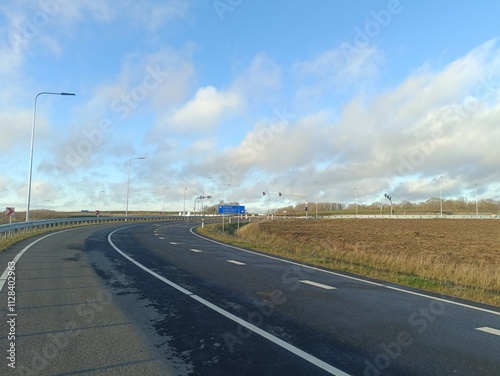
(450, 257)
(10, 241)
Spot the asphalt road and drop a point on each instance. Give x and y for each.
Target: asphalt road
(156, 299)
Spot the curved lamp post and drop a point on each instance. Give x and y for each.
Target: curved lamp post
(31, 149)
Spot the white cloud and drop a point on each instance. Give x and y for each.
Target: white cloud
(16, 130)
(143, 14)
(332, 71)
(154, 81)
(11, 57)
(205, 112)
(201, 146)
(398, 140)
(426, 126)
(261, 80)
(35, 22)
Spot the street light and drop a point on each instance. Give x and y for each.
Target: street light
(477, 207)
(440, 196)
(317, 194)
(356, 203)
(31, 149)
(184, 212)
(128, 182)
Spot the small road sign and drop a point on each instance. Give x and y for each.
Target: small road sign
(9, 211)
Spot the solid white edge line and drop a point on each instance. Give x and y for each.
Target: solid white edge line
(16, 258)
(489, 330)
(294, 350)
(308, 357)
(347, 276)
(316, 284)
(170, 283)
(443, 300)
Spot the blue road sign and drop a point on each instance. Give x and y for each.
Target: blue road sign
(231, 209)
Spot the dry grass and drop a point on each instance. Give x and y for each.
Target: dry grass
(454, 257)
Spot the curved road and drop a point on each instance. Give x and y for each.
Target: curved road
(157, 299)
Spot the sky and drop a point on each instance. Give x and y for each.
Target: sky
(329, 101)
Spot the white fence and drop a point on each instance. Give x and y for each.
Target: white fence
(423, 216)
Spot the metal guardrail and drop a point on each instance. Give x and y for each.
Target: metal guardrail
(14, 229)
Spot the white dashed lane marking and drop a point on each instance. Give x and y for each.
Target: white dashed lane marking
(489, 330)
(236, 262)
(320, 285)
(195, 250)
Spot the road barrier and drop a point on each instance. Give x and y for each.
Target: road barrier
(14, 229)
(416, 216)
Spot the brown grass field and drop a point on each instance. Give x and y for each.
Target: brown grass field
(457, 257)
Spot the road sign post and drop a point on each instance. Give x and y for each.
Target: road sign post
(9, 212)
(230, 209)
